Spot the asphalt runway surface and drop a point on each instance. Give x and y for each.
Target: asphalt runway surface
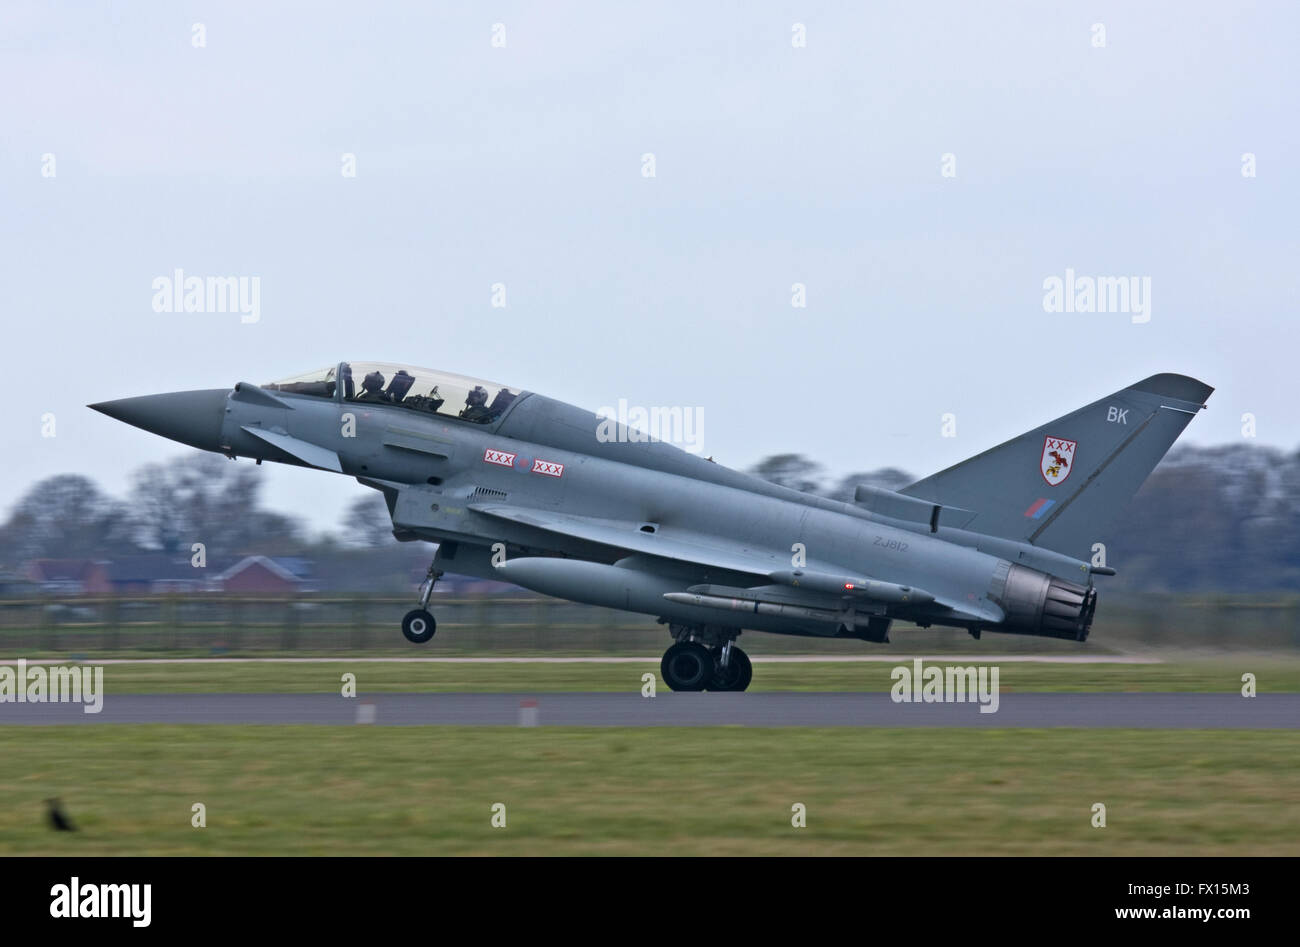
(785, 709)
(646, 659)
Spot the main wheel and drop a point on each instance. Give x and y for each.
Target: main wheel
(736, 675)
(687, 666)
(419, 626)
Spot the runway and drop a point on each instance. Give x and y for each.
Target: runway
(989, 659)
(784, 709)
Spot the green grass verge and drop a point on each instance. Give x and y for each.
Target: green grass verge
(274, 790)
(1222, 676)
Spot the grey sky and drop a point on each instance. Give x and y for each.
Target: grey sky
(774, 165)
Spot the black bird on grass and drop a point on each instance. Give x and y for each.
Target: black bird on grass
(58, 820)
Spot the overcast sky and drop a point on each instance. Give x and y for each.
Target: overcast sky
(775, 164)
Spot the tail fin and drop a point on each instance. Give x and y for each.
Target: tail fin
(1059, 485)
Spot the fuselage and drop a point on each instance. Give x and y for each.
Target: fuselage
(519, 486)
(541, 454)
(516, 486)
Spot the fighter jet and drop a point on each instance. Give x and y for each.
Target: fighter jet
(516, 486)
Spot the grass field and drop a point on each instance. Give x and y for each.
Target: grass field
(653, 791)
(1222, 676)
(716, 791)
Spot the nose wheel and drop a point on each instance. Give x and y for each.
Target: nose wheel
(418, 624)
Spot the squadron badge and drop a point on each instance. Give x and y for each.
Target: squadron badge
(1057, 461)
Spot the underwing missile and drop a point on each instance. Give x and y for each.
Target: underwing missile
(858, 586)
(756, 607)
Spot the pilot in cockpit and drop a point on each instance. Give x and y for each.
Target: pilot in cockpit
(476, 405)
(372, 387)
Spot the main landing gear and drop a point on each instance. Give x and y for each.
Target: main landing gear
(418, 624)
(705, 659)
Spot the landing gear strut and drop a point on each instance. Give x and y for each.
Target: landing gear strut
(705, 658)
(733, 671)
(418, 625)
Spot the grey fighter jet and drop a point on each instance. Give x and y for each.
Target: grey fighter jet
(513, 485)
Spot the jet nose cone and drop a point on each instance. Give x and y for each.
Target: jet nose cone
(191, 417)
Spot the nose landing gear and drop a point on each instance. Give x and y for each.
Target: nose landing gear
(418, 625)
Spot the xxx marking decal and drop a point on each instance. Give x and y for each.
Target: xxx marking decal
(1058, 456)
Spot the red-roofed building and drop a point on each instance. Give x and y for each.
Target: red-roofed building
(69, 576)
(262, 575)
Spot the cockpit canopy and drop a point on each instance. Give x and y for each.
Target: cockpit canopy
(417, 389)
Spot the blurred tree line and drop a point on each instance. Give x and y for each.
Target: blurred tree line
(198, 498)
(1223, 518)
(202, 498)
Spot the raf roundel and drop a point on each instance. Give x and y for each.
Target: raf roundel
(1057, 460)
